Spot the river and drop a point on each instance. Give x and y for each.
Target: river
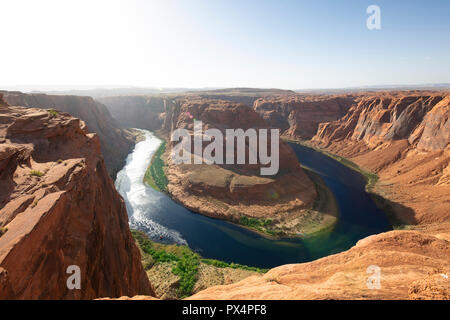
(166, 221)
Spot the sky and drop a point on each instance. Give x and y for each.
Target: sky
(223, 43)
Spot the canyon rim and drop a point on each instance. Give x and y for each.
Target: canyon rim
(256, 152)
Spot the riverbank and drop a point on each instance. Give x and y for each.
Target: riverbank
(325, 206)
(166, 220)
(371, 178)
(288, 223)
(155, 176)
(176, 271)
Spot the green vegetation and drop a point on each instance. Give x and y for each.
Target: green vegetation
(53, 113)
(36, 173)
(185, 261)
(155, 176)
(3, 231)
(261, 225)
(186, 269)
(223, 264)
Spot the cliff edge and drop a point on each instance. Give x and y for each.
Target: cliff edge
(115, 141)
(58, 208)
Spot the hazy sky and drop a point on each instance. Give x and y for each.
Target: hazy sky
(283, 44)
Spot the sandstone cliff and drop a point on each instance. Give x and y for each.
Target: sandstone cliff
(404, 138)
(115, 142)
(412, 265)
(234, 191)
(226, 192)
(58, 207)
(299, 116)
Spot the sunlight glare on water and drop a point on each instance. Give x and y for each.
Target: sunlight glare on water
(130, 185)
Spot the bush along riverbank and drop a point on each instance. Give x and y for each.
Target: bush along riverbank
(176, 272)
(155, 176)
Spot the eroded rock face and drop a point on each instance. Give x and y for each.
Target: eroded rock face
(144, 112)
(434, 131)
(299, 116)
(406, 260)
(404, 138)
(435, 286)
(376, 119)
(229, 191)
(58, 207)
(115, 142)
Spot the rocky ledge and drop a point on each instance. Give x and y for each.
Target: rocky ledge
(411, 265)
(58, 207)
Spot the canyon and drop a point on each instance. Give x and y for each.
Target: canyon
(234, 191)
(116, 141)
(59, 208)
(402, 137)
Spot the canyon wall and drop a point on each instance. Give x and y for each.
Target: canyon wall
(59, 207)
(144, 112)
(299, 116)
(404, 138)
(222, 191)
(115, 142)
(232, 191)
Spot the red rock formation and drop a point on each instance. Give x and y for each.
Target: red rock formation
(229, 191)
(433, 287)
(434, 131)
(58, 207)
(115, 142)
(299, 116)
(405, 139)
(375, 119)
(406, 260)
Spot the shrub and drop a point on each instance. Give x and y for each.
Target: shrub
(187, 269)
(186, 261)
(3, 231)
(223, 264)
(52, 113)
(259, 224)
(36, 173)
